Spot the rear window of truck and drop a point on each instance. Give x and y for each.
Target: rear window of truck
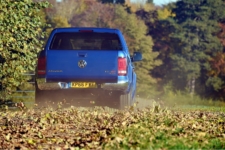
(85, 41)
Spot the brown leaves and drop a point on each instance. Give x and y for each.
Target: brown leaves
(97, 128)
(73, 127)
(217, 64)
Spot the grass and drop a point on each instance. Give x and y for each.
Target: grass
(183, 101)
(172, 129)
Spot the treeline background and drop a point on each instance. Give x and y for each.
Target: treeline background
(182, 42)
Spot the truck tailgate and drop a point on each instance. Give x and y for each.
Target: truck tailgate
(85, 65)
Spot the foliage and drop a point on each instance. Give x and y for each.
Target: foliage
(149, 1)
(97, 128)
(59, 14)
(91, 17)
(20, 29)
(159, 30)
(183, 35)
(134, 32)
(221, 34)
(133, 29)
(180, 99)
(171, 46)
(164, 13)
(56, 22)
(195, 27)
(64, 9)
(138, 5)
(216, 74)
(26, 91)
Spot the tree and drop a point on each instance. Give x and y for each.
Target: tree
(149, 1)
(195, 27)
(164, 13)
(20, 29)
(65, 9)
(61, 13)
(134, 30)
(159, 30)
(221, 34)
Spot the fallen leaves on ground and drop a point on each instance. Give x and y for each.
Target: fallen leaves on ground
(98, 128)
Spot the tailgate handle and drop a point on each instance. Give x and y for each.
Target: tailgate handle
(82, 54)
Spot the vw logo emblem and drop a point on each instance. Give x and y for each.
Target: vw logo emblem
(82, 63)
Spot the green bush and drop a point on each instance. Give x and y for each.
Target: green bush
(20, 28)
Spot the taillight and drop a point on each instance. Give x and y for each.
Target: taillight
(122, 66)
(41, 65)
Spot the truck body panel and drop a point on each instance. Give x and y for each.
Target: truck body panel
(87, 58)
(64, 65)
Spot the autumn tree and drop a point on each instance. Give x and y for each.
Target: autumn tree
(195, 27)
(159, 29)
(149, 1)
(59, 14)
(20, 29)
(134, 30)
(65, 9)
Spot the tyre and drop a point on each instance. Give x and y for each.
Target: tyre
(125, 101)
(115, 100)
(121, 101)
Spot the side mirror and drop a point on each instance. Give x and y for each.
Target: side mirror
(137, 56)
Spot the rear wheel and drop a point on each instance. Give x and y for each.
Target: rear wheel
(125, 101)
(121, 101)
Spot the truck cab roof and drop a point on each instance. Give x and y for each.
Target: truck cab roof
(86, 29)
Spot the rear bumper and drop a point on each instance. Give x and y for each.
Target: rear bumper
(121, 85)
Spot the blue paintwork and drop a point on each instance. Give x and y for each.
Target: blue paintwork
(100, 65)
(62, 65)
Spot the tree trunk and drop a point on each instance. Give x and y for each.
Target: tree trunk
(191, 86)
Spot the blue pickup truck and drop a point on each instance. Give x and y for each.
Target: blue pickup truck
(86, 64)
